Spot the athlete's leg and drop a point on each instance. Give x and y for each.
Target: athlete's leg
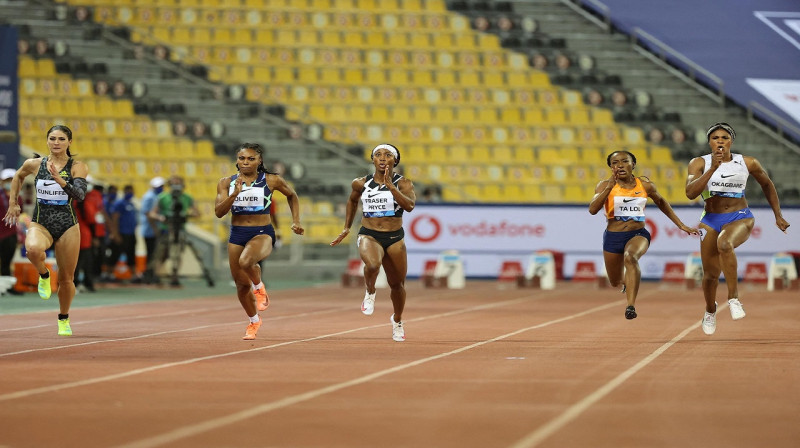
(711, 266)
(67, 250)
(634, 249)
(395, 264)
(732, 236)
(372, 255)
(244, 290)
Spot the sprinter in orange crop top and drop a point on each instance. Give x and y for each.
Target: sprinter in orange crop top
(626, 239)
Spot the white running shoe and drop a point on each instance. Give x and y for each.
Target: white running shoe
(368, 304)
(398, 334)
(710, 322)
(737, 312)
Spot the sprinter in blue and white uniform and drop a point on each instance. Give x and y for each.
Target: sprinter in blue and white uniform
(384, 196)
(247, 195)
(721, 178)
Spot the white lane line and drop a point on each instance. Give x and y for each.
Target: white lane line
(160, 333)
(543, 432)
(141, 316)
(129, 373)
(208, 425)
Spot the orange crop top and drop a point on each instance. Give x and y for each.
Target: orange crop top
(626, 205)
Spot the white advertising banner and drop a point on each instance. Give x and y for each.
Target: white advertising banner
(488, 235)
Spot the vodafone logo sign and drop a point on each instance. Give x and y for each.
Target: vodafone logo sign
(652, 228)
(425, 228)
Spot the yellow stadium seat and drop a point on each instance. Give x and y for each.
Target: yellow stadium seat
(442, 40)
(660, 154)
(399, 77)
(481, 154)
(445, 77)
(524, 155)
(45, 68)
(553, 193)
(577, 193)
(492, 192)
(27, 68)
(422, 78)
(487, 115)
(453, 173)
(466, 115)
(458, 153)
(444, 115)
(469, 78)
(514, 193)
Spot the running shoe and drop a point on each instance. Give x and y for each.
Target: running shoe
(252, 330)
(398, 334)
(737, 312)
(63, 327)
(710, 322)
(630, 312)
(368, 304)
(44, 287)
(262, 298)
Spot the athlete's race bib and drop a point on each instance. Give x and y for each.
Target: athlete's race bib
(377, 204)
(50, 193)
(628, 208)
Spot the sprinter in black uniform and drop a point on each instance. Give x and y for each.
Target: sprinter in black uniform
(59, 180)
(247, 195)
(384, 196)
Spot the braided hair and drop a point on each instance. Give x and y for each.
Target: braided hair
(258, 149)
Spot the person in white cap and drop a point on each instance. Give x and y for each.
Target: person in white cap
(8, 235)
(148, 226)
(384, 196)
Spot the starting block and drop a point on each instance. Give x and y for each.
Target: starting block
(674, 272)
(541, 271)
(450, 267)
(354, 275)
(510, 271)
(755, 273)
(782, 273)
(693, 274)
(428, 279)
(585, 271)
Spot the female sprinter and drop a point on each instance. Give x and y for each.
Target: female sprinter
(626, 239)
(721, 177)
(59, 179)
(247, 195)
(384, 197)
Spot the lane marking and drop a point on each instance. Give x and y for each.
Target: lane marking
(129, 373)
(160, 333)
(543, 432)
(208, 425)
(113, 319)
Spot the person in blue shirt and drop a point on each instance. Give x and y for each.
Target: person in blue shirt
(148, 231)
(123, 231)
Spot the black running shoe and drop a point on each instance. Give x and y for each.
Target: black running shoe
(630, 312)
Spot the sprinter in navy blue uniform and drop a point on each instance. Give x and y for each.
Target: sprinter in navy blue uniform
(247, 195)
(384, 196)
